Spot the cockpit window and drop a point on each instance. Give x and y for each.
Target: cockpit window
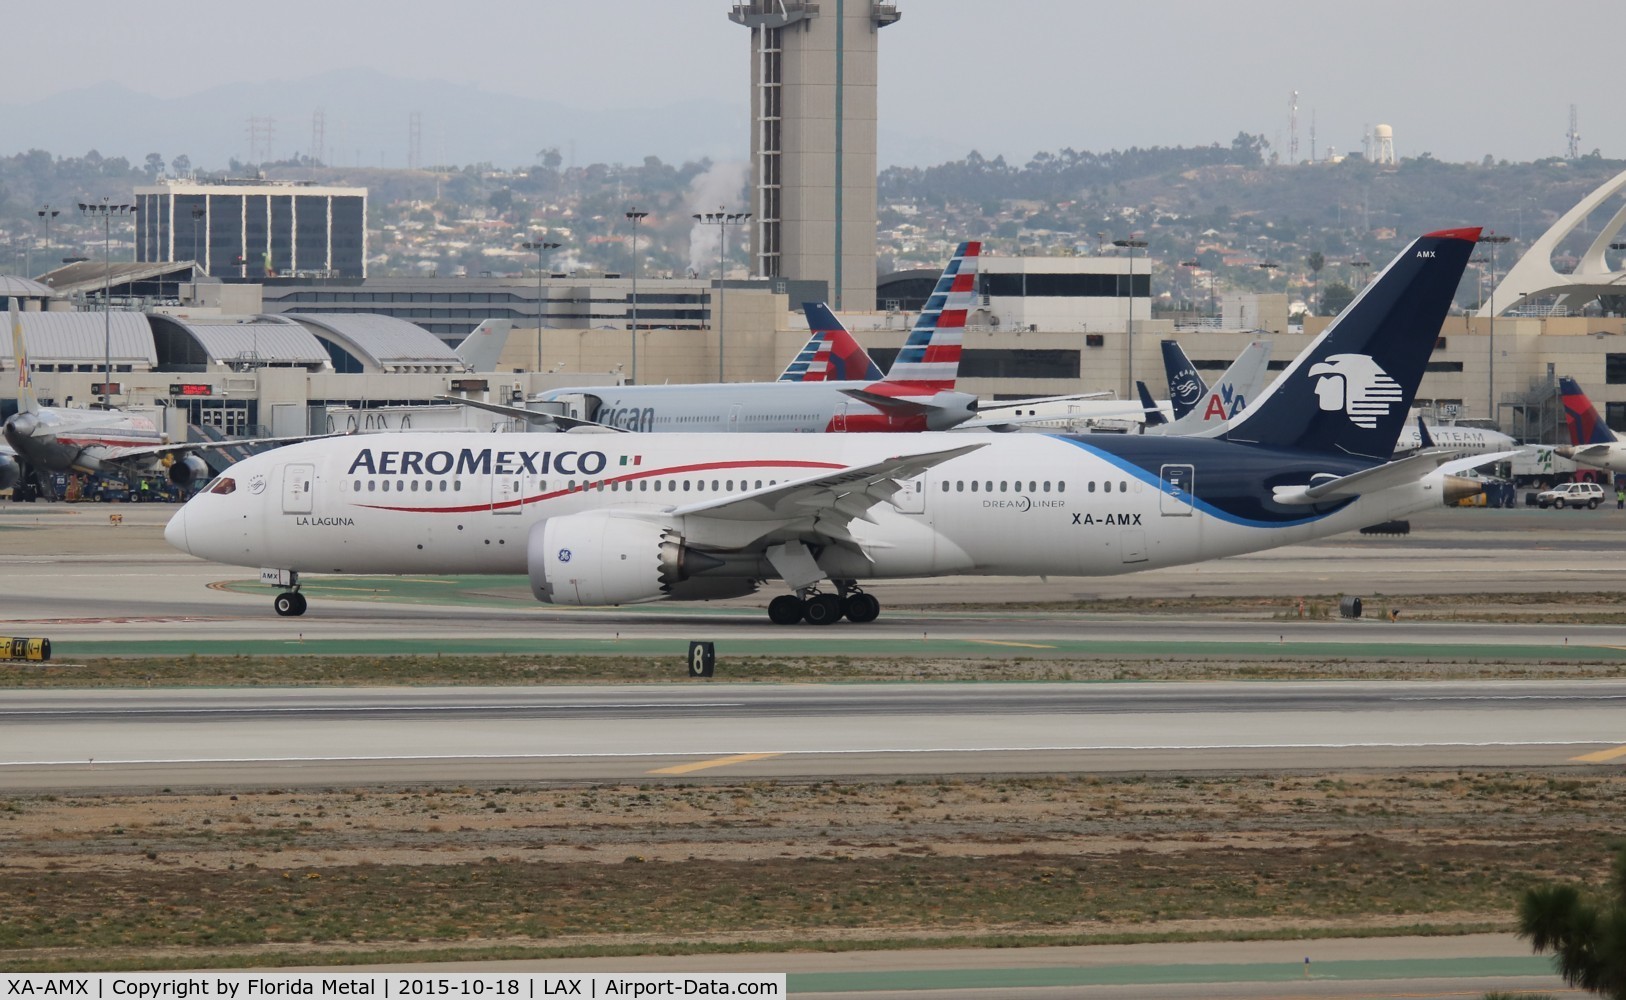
(224, 485)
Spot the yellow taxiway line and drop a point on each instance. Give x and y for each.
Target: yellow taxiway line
(1602, 755)
(701, 765)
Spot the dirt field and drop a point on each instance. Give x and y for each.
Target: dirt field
(276, 877)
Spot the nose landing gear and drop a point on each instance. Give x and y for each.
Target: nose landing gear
(290, 603)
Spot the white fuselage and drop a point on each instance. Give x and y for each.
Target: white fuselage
(466, 503)
(761, 407)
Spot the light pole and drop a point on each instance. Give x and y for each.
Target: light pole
(1133, 245)
(1194, 264)
(722, 219)
(46, 214)
(106, 210)
(541, 247)
(1490, 369)
(198, 212)
(635, 216)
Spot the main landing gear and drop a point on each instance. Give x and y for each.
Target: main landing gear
(825, 609)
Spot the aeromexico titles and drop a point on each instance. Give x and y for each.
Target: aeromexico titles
(629, 518)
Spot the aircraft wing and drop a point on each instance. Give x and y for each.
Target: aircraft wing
(158, 450)
(521, 413)
(822, 505)
(1382, 477)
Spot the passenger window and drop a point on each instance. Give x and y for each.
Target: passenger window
(414, 486)
(1047, 486)
(1061, 487)
(657, 486)
(386, 486)
(959, 486)
(945, 486)
(643, 486)
(1002, 486)
(973, 486)
(1091, 487)
(372, 485)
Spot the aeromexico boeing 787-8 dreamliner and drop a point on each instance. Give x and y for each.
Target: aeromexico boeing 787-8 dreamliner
(610, 519)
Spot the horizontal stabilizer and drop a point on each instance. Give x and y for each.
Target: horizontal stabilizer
(533, 416)
(891, 404)
(1386, 476)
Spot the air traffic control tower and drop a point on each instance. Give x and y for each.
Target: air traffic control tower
(813, 84)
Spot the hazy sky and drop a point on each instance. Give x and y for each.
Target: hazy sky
(1456, 78)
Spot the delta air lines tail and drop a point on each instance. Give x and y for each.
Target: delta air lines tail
(1591, 441)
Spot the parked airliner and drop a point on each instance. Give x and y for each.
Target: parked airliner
(1203, 409)
(1591, 441)
(917, 394)
(102, 439)
(596, 519)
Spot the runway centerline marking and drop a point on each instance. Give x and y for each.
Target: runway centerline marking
(1024, 645)
(701, 765)
(1602, 755)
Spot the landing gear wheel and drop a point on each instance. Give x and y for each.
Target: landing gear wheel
(822, 609)
(290, 604)
(861, 608)
(786, 609)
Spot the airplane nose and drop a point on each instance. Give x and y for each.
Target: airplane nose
(175, 531)
(20, 427)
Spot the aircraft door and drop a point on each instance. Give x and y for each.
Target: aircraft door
(1177, 496)
(911, 497)
(297, 484)
(507, 493)
(838, 423)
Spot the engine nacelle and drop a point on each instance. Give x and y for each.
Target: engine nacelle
(608, 557)
(189, 471)
(10, 472)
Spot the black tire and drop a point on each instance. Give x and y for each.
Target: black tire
(1592, 505)
(861, 608)
(286, 604)
(299, 604)
(786, 609)
(822, 609)
(1559, 503)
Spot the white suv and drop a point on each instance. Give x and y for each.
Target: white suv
(1571, 495)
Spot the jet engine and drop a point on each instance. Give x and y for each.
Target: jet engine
(612, 557)
(188, 471)
(10, 472)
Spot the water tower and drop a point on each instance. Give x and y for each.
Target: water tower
(1383, 144)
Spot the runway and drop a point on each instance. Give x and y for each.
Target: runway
(319, 737)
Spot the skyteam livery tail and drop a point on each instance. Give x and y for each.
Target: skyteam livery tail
(831, 354)
(1186, 387)
(1358, 379)
(930, 358)
(1586, 427)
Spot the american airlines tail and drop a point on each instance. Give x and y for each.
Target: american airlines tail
(26, 401)
(831, 354)
(1357, 380)
(930, 358)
